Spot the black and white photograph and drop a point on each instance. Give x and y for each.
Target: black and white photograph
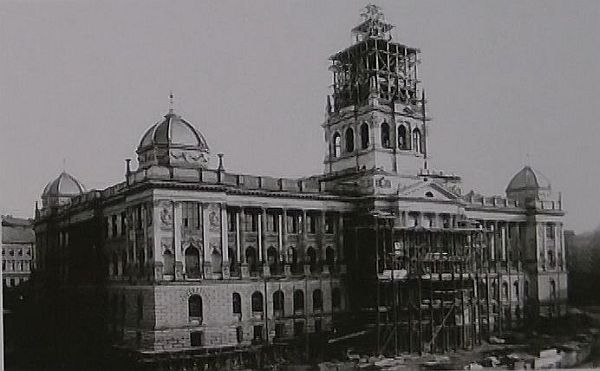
(300, 185)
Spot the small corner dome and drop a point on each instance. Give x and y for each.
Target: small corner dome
(173, 131)
(65, 185)
(528, 179)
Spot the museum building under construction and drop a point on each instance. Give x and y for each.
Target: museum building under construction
(184, 258)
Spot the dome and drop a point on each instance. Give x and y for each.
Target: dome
(528, 179)
(64, 185)
(174, 132)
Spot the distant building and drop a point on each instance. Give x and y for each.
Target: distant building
(18, 250)
(181, 258)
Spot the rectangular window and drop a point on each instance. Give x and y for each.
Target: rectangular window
(114, 225)
(191, 215)
(251, 221)
(258, 333)
(550, 231)
(231, 225)
(196, 338)
(106, 227)
(123, 223)
(311, 224)
(446, 221)
(272, 222)
(293, 223)
(329, 224)
(279, 330)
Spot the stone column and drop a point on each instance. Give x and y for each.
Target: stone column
(544, 245)
(262, 255)
(206, 268)
(280, 247)
(238, 248)
(242, 229)
(224, 241)
(156, 236)
(561, 238)
(283, 223)
(177, 253)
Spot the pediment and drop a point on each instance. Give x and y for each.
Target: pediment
(428, 191)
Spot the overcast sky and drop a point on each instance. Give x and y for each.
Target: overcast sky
(82, 80)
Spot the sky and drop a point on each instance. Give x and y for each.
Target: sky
(508, 83)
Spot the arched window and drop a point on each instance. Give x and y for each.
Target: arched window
(278, 302)
(364, 136)
(298, 301)
(551, 261)
(329, 256)
(349, 140)
(494, 292)
(236, 301)
(292, 259)
(385, 135)
(336, 298)
(192, 262)
(526, 289)
(402, 142)
(311, 258)
(272, 260)
(251, 259)
(115, 264)
(195, 308)
(317, 300)
(417, 141)
(552, 289)
(337, 145)
(169, 262)
(233, 263)
(516, 289)
(216, 261)
(257, 301)
(504, 290)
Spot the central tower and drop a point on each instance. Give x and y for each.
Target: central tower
(376, 112)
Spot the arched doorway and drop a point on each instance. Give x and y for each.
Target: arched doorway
(192, 262)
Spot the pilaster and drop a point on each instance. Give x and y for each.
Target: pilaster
(224, 241)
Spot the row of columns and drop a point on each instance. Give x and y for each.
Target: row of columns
(282, 245)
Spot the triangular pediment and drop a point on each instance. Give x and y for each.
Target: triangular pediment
(428, 191)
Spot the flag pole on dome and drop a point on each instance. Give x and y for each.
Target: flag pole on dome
(171, 101)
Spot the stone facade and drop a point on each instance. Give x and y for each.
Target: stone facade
(193, 258)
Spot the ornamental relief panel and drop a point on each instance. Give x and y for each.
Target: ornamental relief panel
(215, 245)
(166, 214)
(214, 218)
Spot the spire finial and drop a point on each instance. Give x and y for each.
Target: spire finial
(221, 167)
(64, 167)
(528, 159)
(171, 101)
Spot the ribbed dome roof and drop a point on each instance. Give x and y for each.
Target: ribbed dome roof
(173, 131)
(528, 179)
(64, 185)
